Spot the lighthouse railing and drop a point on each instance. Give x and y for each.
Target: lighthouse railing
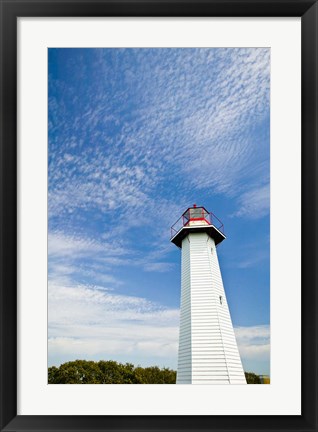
(184, 220)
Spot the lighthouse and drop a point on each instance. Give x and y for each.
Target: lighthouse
(208, 352)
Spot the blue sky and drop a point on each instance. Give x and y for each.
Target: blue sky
(135, 137)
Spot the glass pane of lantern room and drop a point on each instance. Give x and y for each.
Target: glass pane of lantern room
(196, 213)
(186, 217)
(205, 214)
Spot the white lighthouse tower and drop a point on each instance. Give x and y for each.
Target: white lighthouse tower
(208, 352)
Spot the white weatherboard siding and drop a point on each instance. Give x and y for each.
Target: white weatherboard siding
(208, 352)
(184, 357)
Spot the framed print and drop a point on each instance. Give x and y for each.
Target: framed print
(121, 120)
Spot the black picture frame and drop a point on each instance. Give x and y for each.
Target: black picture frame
(10, 11)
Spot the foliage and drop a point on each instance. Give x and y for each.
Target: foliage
(155, 375)
(252, 378)
(108, 372)
(112, 372)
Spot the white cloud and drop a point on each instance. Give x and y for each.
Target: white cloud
(96, 260)
(158, 266)
(90, 321)
(254, 342)
(61, 245)
(254, 203)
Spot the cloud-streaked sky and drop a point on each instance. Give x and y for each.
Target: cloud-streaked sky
(135, 137)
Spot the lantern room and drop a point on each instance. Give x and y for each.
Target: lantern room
(197, 219)
(195, 216)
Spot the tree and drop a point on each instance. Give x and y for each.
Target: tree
(155, 375)
(108, 372)
(252, 378)
(75, 372)
(112, 372)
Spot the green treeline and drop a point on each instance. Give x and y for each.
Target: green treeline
(108, 372)
(112, 372)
